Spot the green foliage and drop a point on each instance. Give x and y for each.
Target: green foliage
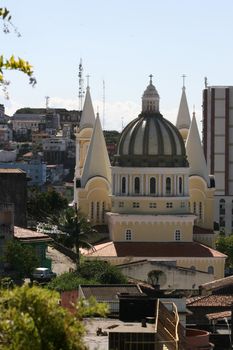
(68, 281)
(225, 245)
(90, 307)
(12, 63)
(42, 206)
(89, 272)
(31, 318)
(21, 258)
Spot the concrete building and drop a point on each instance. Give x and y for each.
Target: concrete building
(218, 149)
(13, 190)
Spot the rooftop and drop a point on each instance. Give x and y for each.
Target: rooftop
(26, 235)
(154, 249)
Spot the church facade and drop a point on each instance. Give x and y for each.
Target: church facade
(157, 198)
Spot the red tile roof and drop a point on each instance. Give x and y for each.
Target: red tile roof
(154, 249)
(210, 300)
(24, 234)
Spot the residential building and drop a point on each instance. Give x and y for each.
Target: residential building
(218, 149)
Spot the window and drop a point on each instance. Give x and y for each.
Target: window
(169, 205)
(137, 185)
(211, 269)
(152, 185)
(128, 235)
(103, 212)
(97, 211)
(194, 207)
(123, 185)
(222, 207)
(180, 185)
(182, 204)
(168, 185)
(136, 205)
(177, 235)
(193, 268)
(152, 205)
(200, 211)
(121, 204)
(92, 210)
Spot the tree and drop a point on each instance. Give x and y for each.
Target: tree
(31, 318)
(88, 272)
(225, 245)
(20, 259)
(44, 206)
(70, 229)
(12, 63)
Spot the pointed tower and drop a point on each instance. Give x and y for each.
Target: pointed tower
(195, 154)
(88, 115)
(183, 118)
(83, 133)
(201, 189)
(83, 137)
(97, 161)
(93, 195)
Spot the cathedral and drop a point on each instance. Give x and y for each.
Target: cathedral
(157, 197)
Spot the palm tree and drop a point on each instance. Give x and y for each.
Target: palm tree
(72, 231)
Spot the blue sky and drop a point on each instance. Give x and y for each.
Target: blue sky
(120, 42)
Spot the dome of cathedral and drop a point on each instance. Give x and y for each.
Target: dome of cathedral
(150, 140)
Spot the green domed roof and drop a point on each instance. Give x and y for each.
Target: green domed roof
(150, 140)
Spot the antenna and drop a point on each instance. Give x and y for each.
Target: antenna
(206, 82)
(47, 102)
(103, 102)
(122, 123)
(80, 88)
(183, 77)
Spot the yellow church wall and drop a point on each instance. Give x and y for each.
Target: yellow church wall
(200, 193)
(94, 200)
(203, 264)
(149, 205)
(151, 231)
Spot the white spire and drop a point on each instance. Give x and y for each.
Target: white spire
(88, 115)
(195, 154)
(97, 161)
(183, 118)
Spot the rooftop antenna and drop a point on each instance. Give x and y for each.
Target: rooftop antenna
(47, 102)
(80, 82)
(103, 102)
(183, 77)
(206, 82)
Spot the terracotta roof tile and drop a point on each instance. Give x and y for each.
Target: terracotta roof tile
(25, 234)
(154, 249)
(210, 300)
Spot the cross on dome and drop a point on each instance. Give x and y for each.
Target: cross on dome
(150, 98)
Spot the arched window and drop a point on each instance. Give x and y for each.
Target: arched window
(128, 235)
(194, 207)
(168, 185)
(152, 185)
(180, 185)
(177, 235)
(200, 211)
(211, 270)
(137, 185)
(123, 185)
